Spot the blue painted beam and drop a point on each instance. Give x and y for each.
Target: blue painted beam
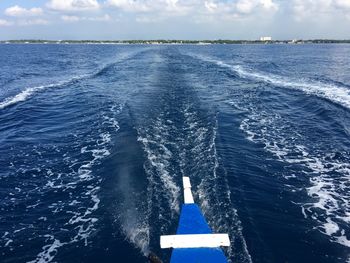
(192, 221)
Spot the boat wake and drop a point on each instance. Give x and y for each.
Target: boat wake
(335, 93)
(328, 175)
(65, 218)
(163, 188)
(212, 190)
(179, 141)
(29, 92)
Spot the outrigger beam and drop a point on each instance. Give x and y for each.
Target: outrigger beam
(194, 240)
(187, 190)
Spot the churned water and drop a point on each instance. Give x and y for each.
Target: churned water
(94, 140)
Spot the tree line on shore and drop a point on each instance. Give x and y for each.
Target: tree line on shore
(164, 41)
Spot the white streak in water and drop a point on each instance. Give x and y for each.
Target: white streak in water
(336, 94)
(329, 178)
(22, 96)
(31, 91)
(82, 220)
(213, 190)
(49, 251)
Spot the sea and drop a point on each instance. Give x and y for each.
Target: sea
(95, 140)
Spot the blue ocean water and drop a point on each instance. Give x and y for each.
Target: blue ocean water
(94, 141)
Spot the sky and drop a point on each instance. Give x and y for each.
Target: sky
(174, 19)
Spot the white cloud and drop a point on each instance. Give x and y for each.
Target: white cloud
(148, 19)
(32, 22)
(269, 4)
(197, 11)
(70, 18)
(103, 18)
(20, 11)
(343, 6)
(210, 6)
(4, 22)
(318, 9)
(245, 6)
(130, 5)
(73, 5)
(343, 3)
(249, 6)
(100, 18)
(169, 7)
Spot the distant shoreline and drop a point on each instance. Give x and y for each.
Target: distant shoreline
(167, 42)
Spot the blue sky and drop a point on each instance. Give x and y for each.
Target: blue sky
(174, 19)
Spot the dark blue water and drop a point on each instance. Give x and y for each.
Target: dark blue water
(94, 141)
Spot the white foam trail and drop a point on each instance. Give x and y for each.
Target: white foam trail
(22, 96)
(31, 91)
(213, 192)
(331, 227)
(132, 212)
(49, 251)
(7, 240)
(242, 240)
(136, 232)
(81, 219)
(159, 160)
(329, 178)
(336, 94)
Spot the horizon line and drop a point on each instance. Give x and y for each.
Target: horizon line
(179, 39)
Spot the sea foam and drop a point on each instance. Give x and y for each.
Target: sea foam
(334, 93)
(28, 92)
(328, 177)
(80, 220)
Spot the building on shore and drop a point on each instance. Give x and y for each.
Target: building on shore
(265, 38)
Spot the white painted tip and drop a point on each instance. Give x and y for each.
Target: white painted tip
(188, 196)
(195, 241)
(187, 190)
(186, 182)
